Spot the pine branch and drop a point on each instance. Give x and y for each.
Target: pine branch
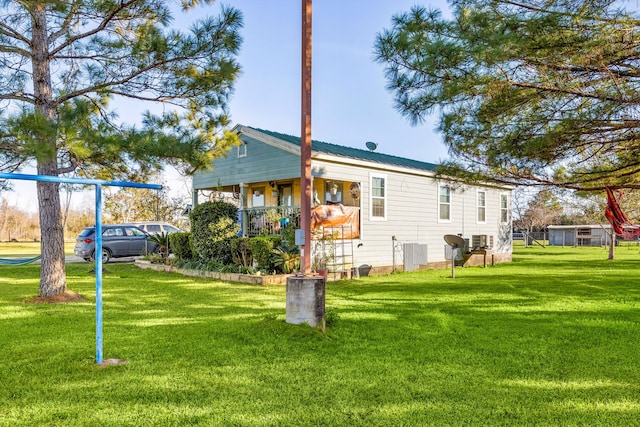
(15, 50)
(122, 5)
(11, 33)
(66, 23)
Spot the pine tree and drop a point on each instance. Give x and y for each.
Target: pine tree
(62, 64)
(528, 92)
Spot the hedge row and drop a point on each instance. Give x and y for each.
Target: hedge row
(214, 241)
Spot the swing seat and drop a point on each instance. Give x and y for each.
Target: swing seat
(617, 218)
(18, 261)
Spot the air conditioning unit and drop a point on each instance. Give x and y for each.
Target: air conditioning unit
(480, 241)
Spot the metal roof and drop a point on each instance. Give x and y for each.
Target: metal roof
(354, 153)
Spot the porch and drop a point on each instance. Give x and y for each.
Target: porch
(269, 220)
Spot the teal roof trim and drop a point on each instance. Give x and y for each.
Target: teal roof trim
(354, 153)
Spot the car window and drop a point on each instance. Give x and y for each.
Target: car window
(112, 232)
(153, 228)
(86, 232)
(134, 231)
(170, 229)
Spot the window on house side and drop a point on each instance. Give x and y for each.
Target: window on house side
(242, 150)
(482, 206)
(378, 197)
(504, 208)
(444, 205)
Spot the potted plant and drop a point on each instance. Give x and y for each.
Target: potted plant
(334, 188)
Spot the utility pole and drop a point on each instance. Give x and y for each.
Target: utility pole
(306, 293)
(305, 138)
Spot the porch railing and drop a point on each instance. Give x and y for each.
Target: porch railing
(269, 220)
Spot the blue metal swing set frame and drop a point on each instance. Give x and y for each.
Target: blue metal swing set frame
(98, 184)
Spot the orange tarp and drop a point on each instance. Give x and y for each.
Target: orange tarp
(337, 220)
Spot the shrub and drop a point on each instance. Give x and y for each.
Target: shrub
(162, 244)
(213, 265)
(155, 258)
(286, 259)
(180, 245)
(241, 252)
(288, 234)
(286, 256)
(261, 250)
(213, 225)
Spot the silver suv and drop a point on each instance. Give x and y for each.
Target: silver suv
(117, 241)
(152, 227)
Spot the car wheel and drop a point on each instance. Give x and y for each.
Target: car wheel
(106, 256)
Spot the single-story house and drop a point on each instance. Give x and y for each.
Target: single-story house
(382, 212)
(579, 235)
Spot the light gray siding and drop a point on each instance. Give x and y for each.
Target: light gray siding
(411, 199)
(412, 213)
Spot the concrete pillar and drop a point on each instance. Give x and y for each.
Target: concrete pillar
(305, 300)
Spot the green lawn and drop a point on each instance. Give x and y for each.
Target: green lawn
(550, 339)
(27, 249)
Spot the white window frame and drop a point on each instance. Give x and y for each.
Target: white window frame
(242, 149)
(481, 207)
(440, 203)
(505, 209)
(384, 198)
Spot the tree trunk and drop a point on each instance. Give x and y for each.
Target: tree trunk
(612, 246)
(52, 271)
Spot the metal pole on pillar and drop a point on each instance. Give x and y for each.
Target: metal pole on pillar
(97, 254)
(453, 262)
(305, 139)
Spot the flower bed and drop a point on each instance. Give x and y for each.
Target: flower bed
(276, 279)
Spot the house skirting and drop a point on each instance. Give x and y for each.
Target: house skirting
(474, 259)
(484, 258)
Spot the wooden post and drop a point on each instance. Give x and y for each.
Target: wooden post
(612, 245)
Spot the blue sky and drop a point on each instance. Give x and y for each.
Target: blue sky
(350, 104)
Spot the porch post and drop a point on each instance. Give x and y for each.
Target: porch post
(194, 198)
(243, 207)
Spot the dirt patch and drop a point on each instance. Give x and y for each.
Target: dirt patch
(112, 362)
(65, 297)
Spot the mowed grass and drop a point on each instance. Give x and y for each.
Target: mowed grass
(27, 249)
(550, 339)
